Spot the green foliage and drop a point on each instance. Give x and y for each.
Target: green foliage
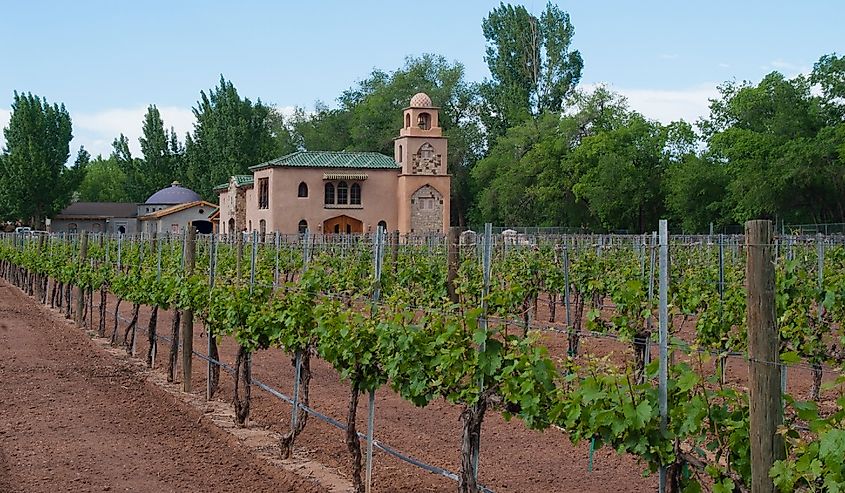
(104, 181)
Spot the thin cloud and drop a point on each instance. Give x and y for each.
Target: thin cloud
(96, 131)
(668, 56)
(788, 69)
(668, 105)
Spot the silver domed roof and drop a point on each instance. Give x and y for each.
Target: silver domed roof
(173, 195)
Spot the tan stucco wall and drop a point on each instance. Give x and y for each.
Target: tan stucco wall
(378, 199)
(181, 218)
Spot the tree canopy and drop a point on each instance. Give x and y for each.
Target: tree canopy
(33, 176)
(231, 134)
(533, 70)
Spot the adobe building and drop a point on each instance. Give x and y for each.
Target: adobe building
(170, 210)
(348, 192)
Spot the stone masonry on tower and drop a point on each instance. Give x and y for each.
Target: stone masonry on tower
(329, 192)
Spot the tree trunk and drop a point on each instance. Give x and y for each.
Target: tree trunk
(352, 442)
(552, 307)
(472, 418)
(116, 322)
(286, 443)
(640, 347)
(133, 324)
(215, 369)
(67, 297)
(152, 337)
(242, 373)
(815, 389)
(174, 346)
(101, 329)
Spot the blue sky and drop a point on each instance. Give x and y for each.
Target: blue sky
(107, 60)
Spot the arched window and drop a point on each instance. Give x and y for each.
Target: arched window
(329, 193)
(303, 190)
(424, 121)
(72, 227)
(121, 229)
(262, 226)
(400, 153)
(407, 120)
(382, 225)
(303, 227)
(355, 194)
(342, 191)
(231, 225)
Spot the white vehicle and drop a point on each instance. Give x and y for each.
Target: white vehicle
(23, 229)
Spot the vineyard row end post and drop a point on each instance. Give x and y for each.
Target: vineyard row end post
(663, 321)
(766, 411)
(80, 290)
(188, 313)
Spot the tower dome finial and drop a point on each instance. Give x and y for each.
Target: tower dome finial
(420, 100)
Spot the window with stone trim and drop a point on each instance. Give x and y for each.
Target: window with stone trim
(263, 193)
(303, 190)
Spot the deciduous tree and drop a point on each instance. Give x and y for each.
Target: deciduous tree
(532, 67)
(33, 165)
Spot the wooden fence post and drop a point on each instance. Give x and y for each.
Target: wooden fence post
(80, 291)
(766, 405)
(188, 314)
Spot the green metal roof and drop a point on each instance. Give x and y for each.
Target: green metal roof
(240, 180)
(332, 159)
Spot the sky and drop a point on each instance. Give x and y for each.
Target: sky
(108, 60)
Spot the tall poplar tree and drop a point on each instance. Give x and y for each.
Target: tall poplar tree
(33, 165)
(531, 65)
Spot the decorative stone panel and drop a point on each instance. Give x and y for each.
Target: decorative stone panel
(425, 161)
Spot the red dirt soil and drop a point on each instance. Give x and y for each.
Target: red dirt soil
(73, 419)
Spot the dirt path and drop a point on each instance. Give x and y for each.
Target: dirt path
(73, 418)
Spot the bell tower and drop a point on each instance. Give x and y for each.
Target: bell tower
(424, 182)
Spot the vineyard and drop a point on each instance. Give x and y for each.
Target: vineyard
(557, 332)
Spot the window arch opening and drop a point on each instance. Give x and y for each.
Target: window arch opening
(355, 194)
(303, 190)
(342, 193)
(329, 199)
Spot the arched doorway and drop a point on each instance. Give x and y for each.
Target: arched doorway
(343, 225)
(203, 227)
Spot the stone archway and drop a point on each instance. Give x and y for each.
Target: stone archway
(342, 225)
